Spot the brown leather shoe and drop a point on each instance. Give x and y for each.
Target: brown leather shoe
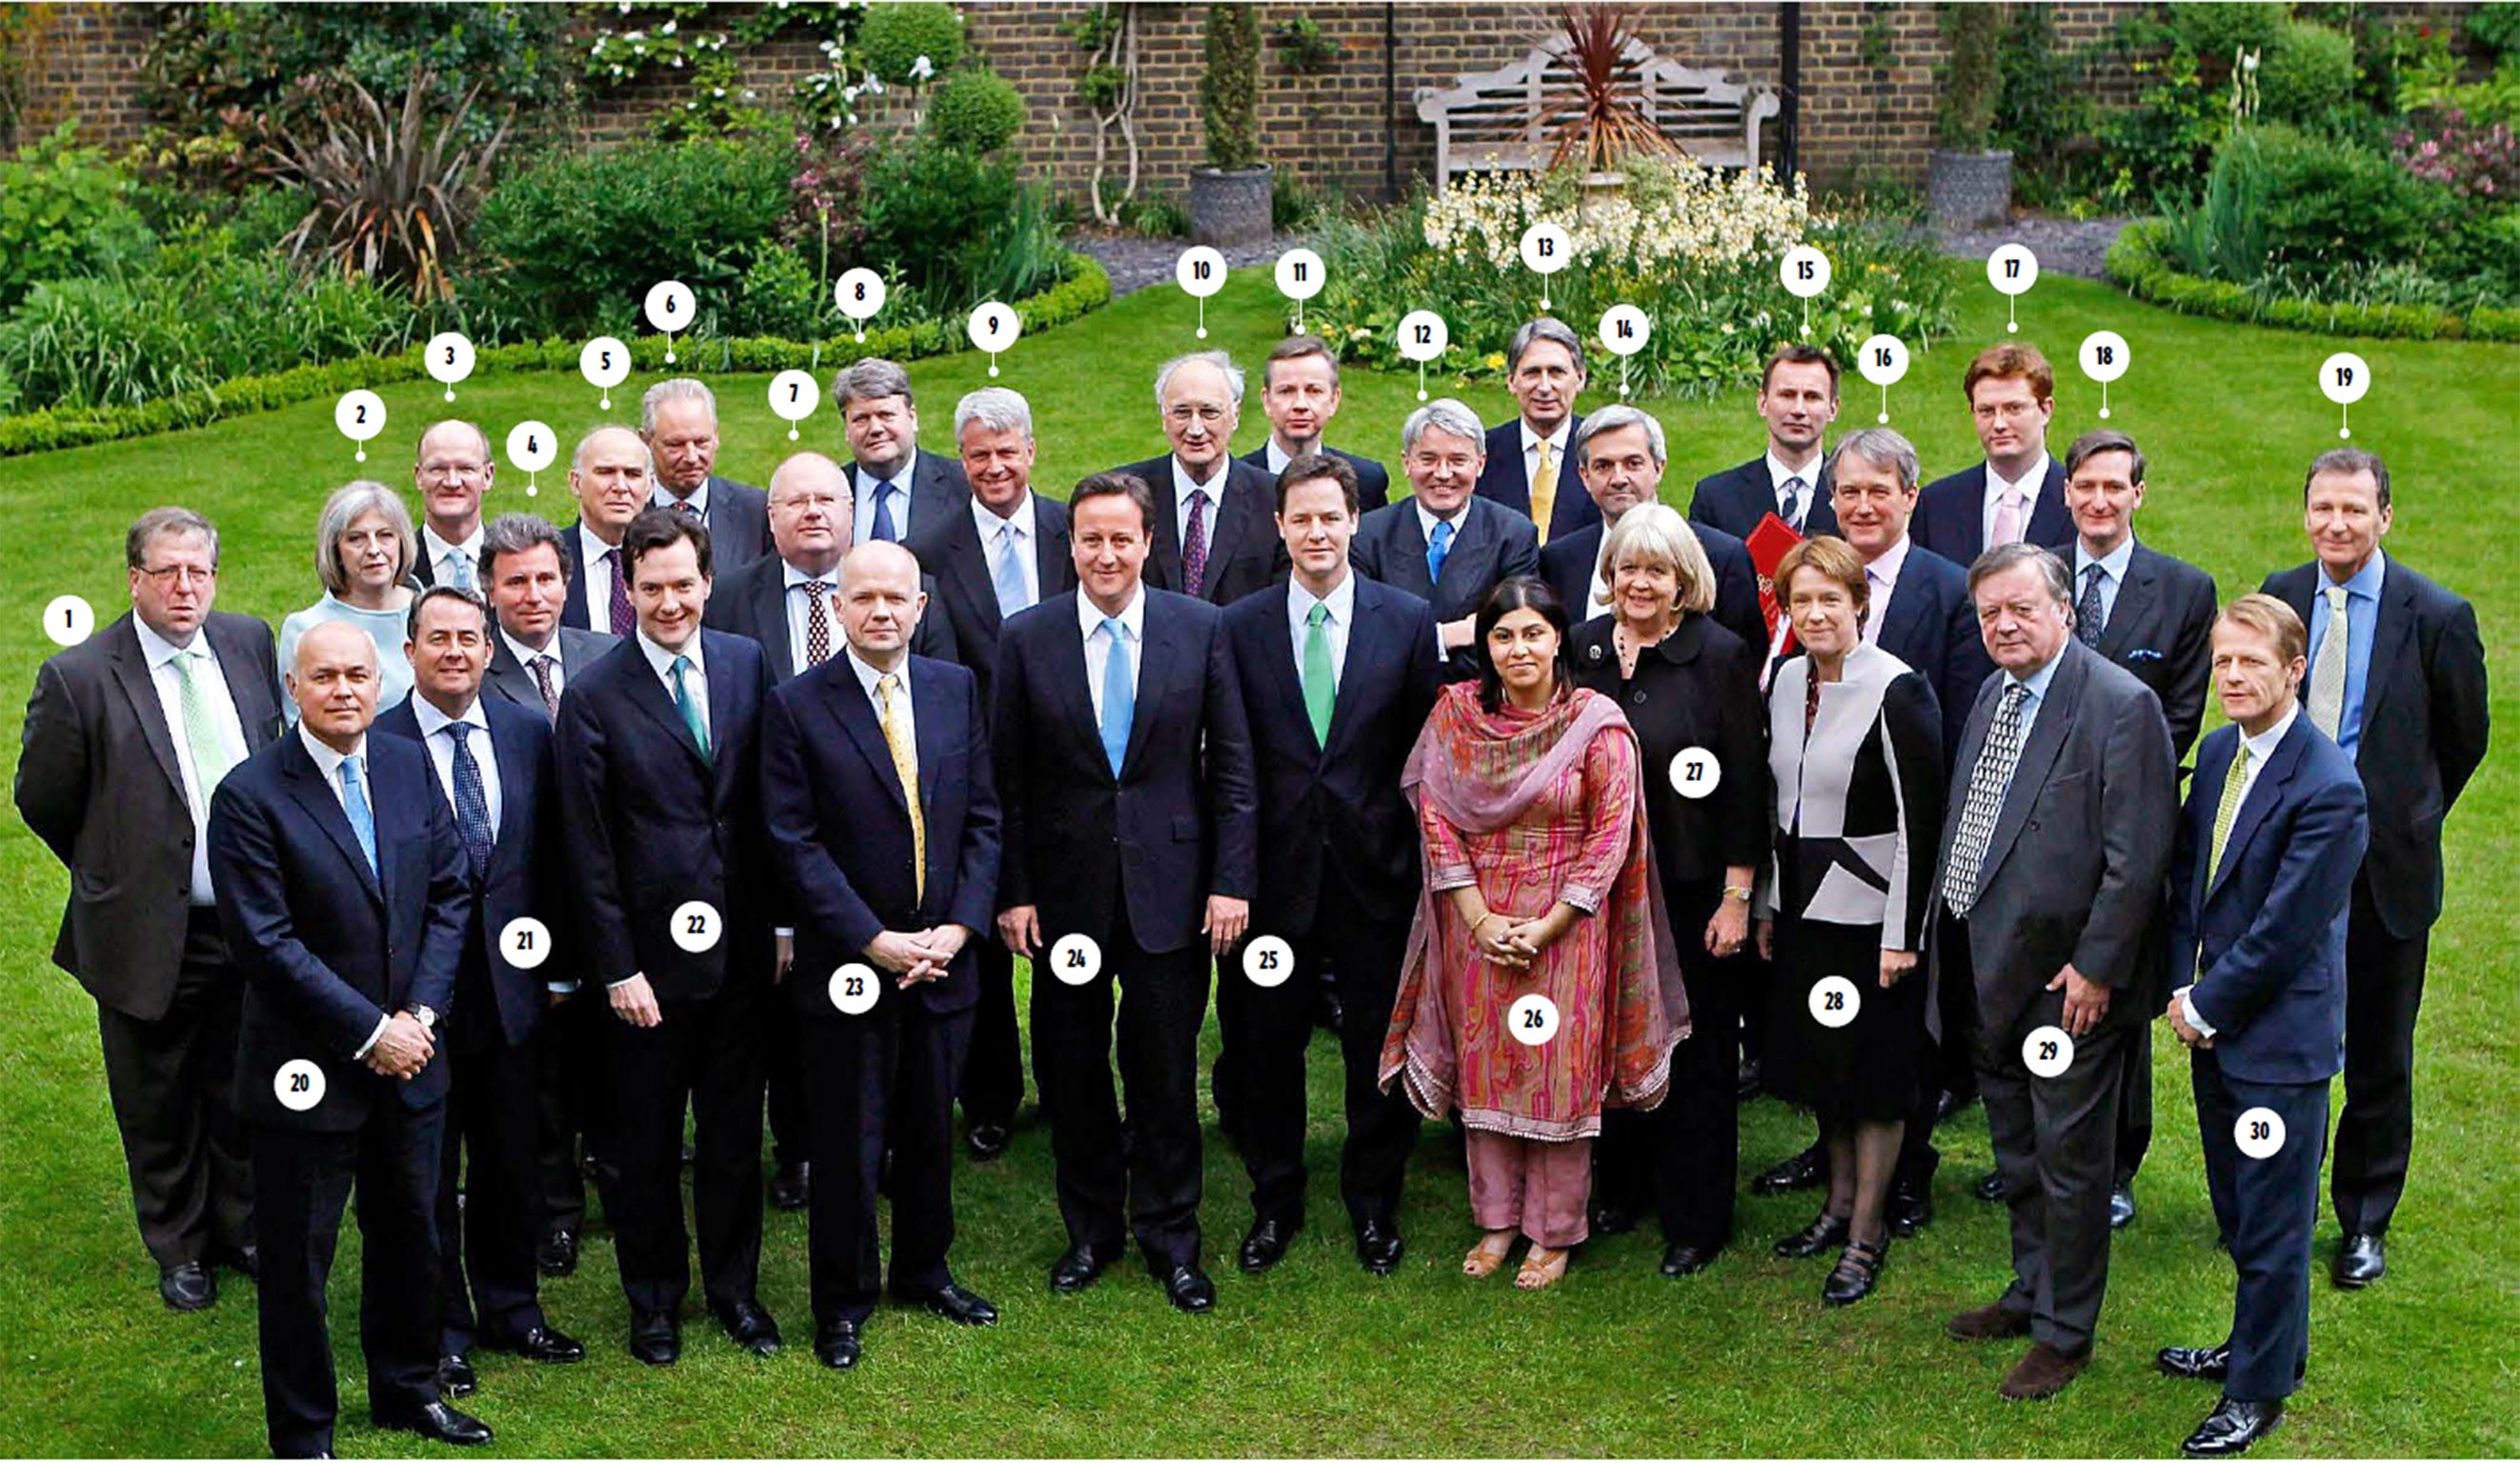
(1988, 1323)
(2041, 1372)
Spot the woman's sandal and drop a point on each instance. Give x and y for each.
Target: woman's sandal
(1483, 1262)
(1856, 1271)
(1539, 1274)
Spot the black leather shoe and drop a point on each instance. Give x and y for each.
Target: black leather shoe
(541, 1343)
(189, 1286)
(245, 1260)
(1377, 1247)
(1746, 1080)
(987, 1141)
(455, 1376)
(2121, 1206)
(1807, 1169)
(835, 1345)
(1266, 1244)
(1331, 1015)
(2195, 1363)
(1686, 1260)
(2360, 1260)
(959, 1306)
(1189, 1289)
(655, 1337)
(1826, 1232)
(1076, 1269)
(1858, 1268)
(440, 1423)
(749, 1326)
(1991, 1188)
(1948, 1102)
(787, 1186)
(556, 1255)
(1911, 1207)
(1613, 1219)
(2230, 1428)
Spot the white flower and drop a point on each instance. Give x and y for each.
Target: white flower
(718, 92)
(749, 94)
(921, 70)
(665, 29)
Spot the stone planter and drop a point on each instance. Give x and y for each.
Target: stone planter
(1969, 190)
(1229, 209)
(1601, 190)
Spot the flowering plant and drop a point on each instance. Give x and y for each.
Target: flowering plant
(2473, 161)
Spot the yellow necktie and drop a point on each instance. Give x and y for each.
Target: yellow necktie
(905, 765)
(1544, 489)
(2226, 813)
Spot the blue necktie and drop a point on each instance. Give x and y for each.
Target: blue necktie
(883, 529)
(354, 802)
(472, 799)
(1436, 548)
(1009, 575)
(1119, 697)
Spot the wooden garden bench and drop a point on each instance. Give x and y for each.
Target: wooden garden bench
(1509, 118)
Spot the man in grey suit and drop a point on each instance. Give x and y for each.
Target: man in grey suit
(2055, 847)
(678, 420)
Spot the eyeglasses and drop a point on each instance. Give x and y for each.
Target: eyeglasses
(182, 574)
(2009, 411)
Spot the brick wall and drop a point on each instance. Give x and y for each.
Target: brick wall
(84, 63)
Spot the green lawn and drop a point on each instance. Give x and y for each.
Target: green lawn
(1318, 1357)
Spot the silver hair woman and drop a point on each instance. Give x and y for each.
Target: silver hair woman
(364, 548)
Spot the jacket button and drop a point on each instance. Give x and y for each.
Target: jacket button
(1639, 699)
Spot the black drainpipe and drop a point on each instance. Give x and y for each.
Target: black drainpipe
(1790, 69)
(1390, 108)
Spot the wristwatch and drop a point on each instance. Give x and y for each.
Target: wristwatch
(427, 1018)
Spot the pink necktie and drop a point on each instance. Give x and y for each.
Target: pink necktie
(2007, 521)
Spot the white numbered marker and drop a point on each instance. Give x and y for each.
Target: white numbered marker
(853, 989)
(792, 396)
(2343, 377)
(2260, 1133)
(1300, 277)
(606, 364)
(2048, 1051)
(2012, 270)
(669, 310)
(1835, 1001)
(360, 415)
(1624, 330)
(1804, 272)
(1533, 1019)
(1695, 773)
(994, 329)
(1268, 961)
(696, 926)
(2104, 360)
(449, 359)
(298, 1085)
(1883, 359)
(68, 620)
(1423, 337)
(1200, 272)
(526, 940)
(860, 295)
(1075, 959)
(1545, 249)
(531, 446)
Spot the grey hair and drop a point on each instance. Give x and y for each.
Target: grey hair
(1883, 448)
(1657, 531)
(348, 504)
(1610, 419)
(995, 408)
(1445, 414)
(680, 388)
(1216, 358)
(411, 621)
(872, 378)
(518, 533)
(2004, 557)
(167, 523)
(1545, 328)
(577, 454)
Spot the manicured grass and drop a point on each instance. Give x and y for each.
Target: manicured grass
(1318, 1357)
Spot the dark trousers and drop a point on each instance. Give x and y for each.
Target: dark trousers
(304, 1179)
(2056, 1142)
(171, 1082)
(2266, 1209)
(1685, 1155)
(2135, 1095)
(2375, 1132)
(706, 1054)
(1153, 1175)
(993, 1081)
(486, 1244)
(1266, 1031)
(883, 1079)
(569, 1101)
(785, 1079)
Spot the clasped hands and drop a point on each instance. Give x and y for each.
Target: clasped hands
(917, 955)
(1227, 919)
(1515, 943)
(402, 1049)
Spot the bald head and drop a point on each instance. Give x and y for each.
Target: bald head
(333, 679)
(611, 477)
(810, 512)
(880, 603)
(451, 471)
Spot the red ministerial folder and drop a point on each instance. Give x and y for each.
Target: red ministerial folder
(1768, 543)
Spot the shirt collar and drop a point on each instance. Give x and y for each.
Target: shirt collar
(1132, 619)
(990, 523)
(1278, 457)
(2028, 485)
(1893, 559)
(591, 550)
(868, 675)
(901, 476)
(2262, 745)
(433, 720)
(1214, 487)
(1557, 439)
(1778, 472)
(437, 547)
(2114, 565)
(159, 649)
(327, 761)
(2365, 583)
(526, 656)
(2038, 679)
(1427, 518)
(1341, 600)
(790, 576)
(663, 659)
(663, 497)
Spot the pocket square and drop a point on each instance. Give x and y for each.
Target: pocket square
(2143, 655)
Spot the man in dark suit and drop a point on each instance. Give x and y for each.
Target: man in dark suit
(1442, 543)
(1798, 400)
(2397, 678)
(884, 820)
(895, 489)
(678, 420)
(532, 656)
(612, 477)
(1299, 389)
(344, 892)
(1337, 674)
(1620, 456)
(1124, 776)
(1524, 463)
(1213, 536)
(2017, 494)
(999, 557)
(2268, 850)
(451, 470)
(493, 767)
(126, 736)
(657, 755)
(2055, 846)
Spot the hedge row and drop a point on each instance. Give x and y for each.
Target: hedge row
(1084, 290)
(2136, 262)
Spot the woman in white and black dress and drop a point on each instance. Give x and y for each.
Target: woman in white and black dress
(1855, 757)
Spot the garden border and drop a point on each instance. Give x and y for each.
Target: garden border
(2136, 265)
(1086, 289)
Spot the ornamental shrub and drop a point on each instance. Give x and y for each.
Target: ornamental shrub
(975, 109)
(896, 36)
(63, 214)
(2307, 75)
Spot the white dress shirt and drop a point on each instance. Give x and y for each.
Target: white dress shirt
(2256, 750)
(1777, 472)
(2037, 684)
(1342, 606)
(526, 658)
(869, 676)
(213, 685)
(695, 679)
(328, 763)
(2113, 572)
(663, 497)
(1097, 649)
(1556, 440)
(442, 555)
(441, 751)
(1428, 518)
(1184, 484)
(1882, 581)
(2027, 486)
(862, 522)
(992, 528)
(1278, 457)
(598, 579)
(802, 609)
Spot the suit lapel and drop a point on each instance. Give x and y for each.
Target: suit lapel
(1072, 673)
(2049, 516)
(647, 693)
(2047, 738)
(516, 789)
(1279, 638)
(1367, 632)
(1157, 650)
(1053, 560)
(856, 716)
(1408, 546)
(132, 668)
(1227, 523)
(927, 735)
(1465, 561)
(2139, 604)
(2264, 793)
(2393, 635)
(307, 786)
(770, 612)
(255, 699)
(967, 568)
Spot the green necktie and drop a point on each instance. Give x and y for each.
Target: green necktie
(689, 709)
(2226, 813)
(1321, 692)
(211, 761)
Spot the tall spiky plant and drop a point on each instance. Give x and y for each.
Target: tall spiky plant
(1607, 125)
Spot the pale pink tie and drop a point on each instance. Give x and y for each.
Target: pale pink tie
(2007, 521)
